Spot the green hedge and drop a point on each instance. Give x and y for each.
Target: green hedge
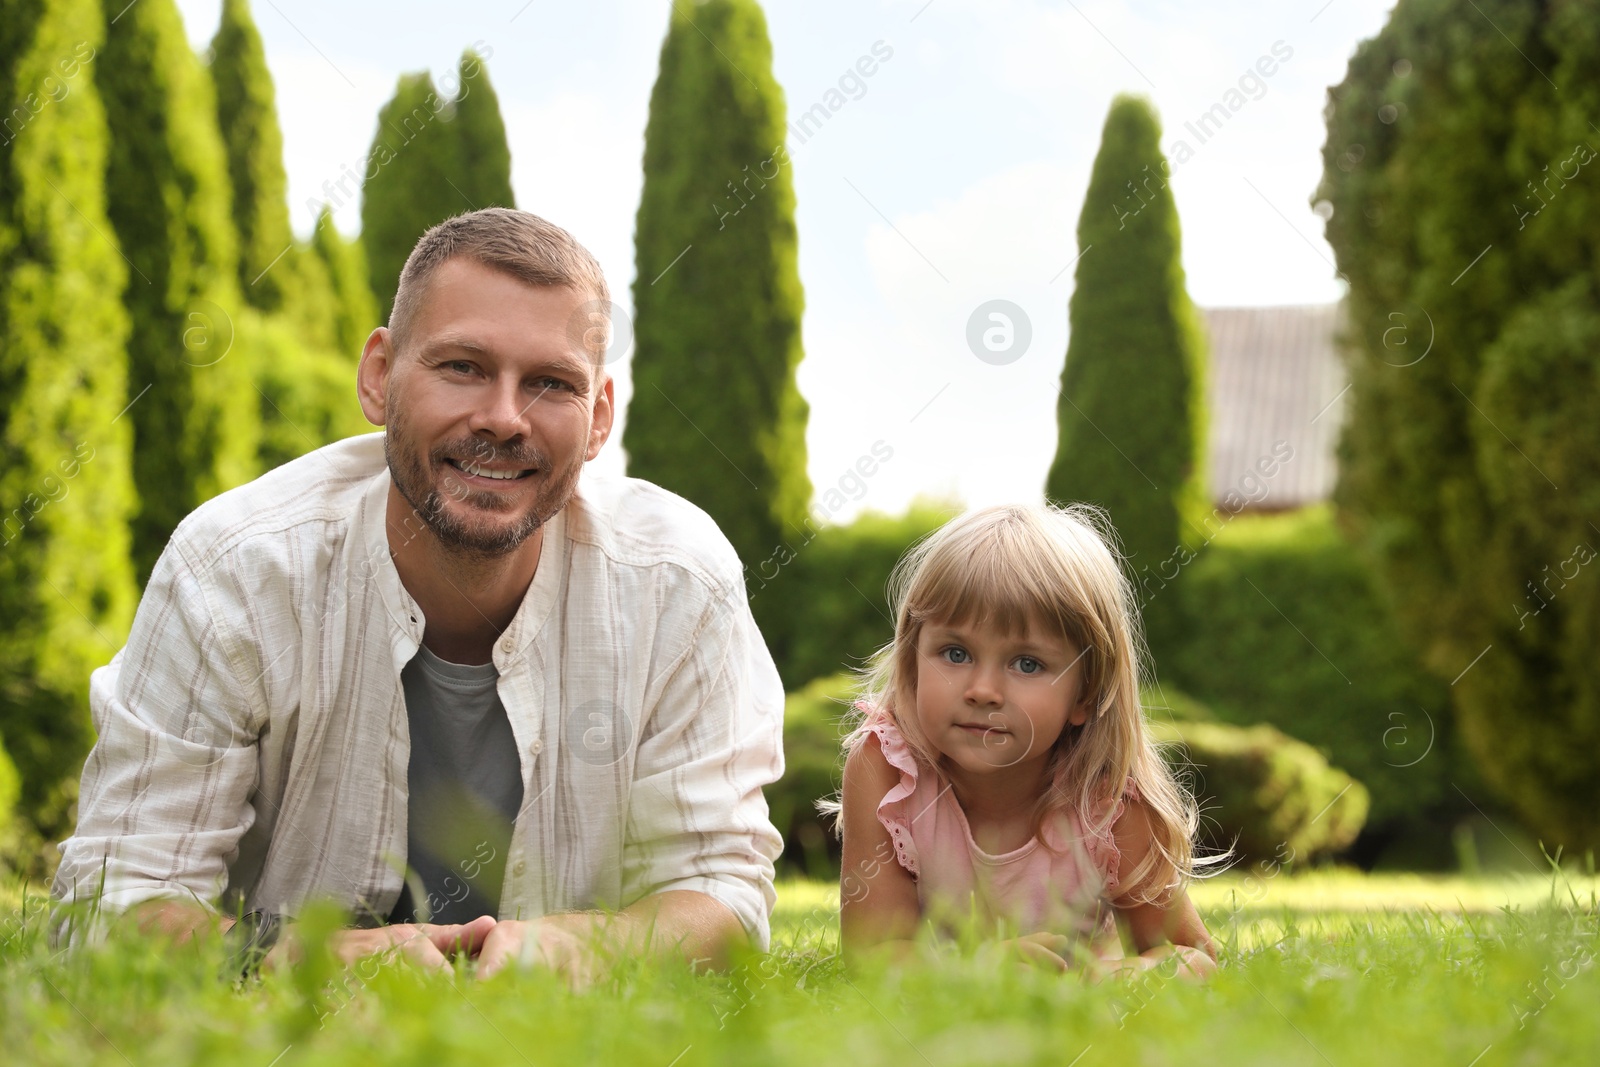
(1285, 625)
(823, 601)
(812, 753)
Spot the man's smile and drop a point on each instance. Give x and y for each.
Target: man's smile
(479, 474)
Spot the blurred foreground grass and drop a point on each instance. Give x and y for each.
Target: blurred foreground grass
(1328, 968)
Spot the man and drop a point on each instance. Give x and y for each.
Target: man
(426, 673)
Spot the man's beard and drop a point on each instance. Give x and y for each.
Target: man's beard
(414, 480)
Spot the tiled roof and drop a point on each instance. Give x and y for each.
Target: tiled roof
(1276, 383)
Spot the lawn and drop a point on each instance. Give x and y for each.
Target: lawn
(1328, 968)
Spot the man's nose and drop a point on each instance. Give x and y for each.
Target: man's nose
(502, 408)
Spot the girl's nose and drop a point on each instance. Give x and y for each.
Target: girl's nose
(983, 688)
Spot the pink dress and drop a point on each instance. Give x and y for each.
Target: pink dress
(1061, 884)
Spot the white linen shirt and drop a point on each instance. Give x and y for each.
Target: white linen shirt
(252, 736)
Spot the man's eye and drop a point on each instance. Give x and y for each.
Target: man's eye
(956, 654)
(460, 365)
(548, 385)
(1029, 665)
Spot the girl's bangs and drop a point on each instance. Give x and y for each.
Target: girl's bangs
(1002, 578)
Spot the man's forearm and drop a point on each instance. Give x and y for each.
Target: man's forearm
(179, 919)
(679, 923)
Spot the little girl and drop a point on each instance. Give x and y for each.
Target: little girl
(1001, 773)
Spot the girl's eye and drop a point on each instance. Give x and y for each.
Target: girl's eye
(956, 654)
(1029, 665)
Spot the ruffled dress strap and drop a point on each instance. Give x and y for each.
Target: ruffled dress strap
(1102, 842)
(894, 808)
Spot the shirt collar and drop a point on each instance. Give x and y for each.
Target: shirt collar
(407, 623)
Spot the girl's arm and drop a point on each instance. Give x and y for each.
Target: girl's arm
(877, 897)
(1159, 932)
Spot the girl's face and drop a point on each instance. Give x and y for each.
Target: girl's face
(988, 702)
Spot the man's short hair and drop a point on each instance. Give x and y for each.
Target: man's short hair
(517, 243)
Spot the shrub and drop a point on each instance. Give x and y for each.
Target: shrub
(827, 608)
(1286, 625)
(1463, 212)
(813, 762)
(1264, 794)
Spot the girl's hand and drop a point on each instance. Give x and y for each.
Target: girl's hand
(1046, 951)
(1169, 961)
(1170, 936)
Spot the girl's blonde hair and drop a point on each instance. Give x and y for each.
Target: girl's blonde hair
(1014, 567)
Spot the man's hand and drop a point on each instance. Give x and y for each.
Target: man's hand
(557, 943)
(676, 925)
(424, 945)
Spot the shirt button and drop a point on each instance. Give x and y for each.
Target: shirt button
(519, 868)
(536, 747)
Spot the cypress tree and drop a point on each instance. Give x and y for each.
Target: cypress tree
(66, 583)
(434, 156)
(481, 169)
(306, 392)
(1131, 412)
(716, 415)
(193, 407)
(1463, 213)
(355, 312)
(248, 119)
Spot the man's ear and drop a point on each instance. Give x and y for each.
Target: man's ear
(604, 416)
(372, 377)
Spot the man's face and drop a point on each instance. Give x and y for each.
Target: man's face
(491, 382)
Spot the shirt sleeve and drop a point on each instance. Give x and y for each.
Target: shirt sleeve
(697, 819)
(165, 791)
(894, 810)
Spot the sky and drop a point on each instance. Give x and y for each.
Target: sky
(952, 177)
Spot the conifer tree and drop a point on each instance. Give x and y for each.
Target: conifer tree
(192, 406)
(66, 582)
(1463, 212)
(1131, 411)
(248, 119)
(716, 414)
(482, 169)
(434, 156)
(354, 309)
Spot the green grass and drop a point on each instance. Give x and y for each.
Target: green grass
(1325, 968)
